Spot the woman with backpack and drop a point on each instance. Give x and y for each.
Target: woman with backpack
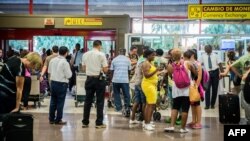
(191, 55)
(180, 71)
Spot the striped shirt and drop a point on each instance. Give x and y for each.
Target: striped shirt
(12, 68)
(120, 65)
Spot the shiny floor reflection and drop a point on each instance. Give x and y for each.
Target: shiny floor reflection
(118, 129)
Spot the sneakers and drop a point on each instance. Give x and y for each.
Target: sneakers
(169, 129)
(149, 127)
(100, 126)
(134, 122)
(61, 122)
(184, 130)
(152, 124)
(85, 126)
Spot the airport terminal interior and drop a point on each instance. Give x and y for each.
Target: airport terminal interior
(38, 25)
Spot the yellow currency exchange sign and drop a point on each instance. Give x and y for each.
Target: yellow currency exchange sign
(219, 11)
(82, 21)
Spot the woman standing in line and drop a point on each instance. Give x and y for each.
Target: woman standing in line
(149, 86)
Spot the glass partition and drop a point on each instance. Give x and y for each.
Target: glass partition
(107, 46)
(48, 42)
(189, 41)
(17, 45)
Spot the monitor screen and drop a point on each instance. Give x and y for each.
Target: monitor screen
(47, 42)
(227, 44)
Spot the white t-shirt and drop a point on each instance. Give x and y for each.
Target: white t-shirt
(214, 59)
(94, 61)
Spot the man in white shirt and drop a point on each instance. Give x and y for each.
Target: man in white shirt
(94, 63)
(75, 64)
(212, 63)
(60, 73)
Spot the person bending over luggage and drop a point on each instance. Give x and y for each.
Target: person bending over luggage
(12, 80)
(236, 79)
(149, 86)
(243, 64)
(60, 72)
(27, 84)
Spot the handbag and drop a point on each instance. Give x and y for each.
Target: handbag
(194, 94)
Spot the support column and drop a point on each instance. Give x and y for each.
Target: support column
(31, 7)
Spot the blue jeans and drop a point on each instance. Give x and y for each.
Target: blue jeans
(58, 94)
(117, 87)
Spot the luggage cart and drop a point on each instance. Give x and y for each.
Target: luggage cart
(80, 89)
(35, 94)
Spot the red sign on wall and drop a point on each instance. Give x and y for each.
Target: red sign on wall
(49, 21)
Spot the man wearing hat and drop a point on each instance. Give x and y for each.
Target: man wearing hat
(120, 69)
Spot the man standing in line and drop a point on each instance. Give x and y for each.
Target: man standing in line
(60, 73)
(95, 64)
(44, 71)
(212, 64)
(47, 61)
(75, 64)
(133, 56)
(120, 68)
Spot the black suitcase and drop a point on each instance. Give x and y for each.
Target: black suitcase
(1, 131)
(17, 126)
(229, 108)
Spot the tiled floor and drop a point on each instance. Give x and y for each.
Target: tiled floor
(118, 128)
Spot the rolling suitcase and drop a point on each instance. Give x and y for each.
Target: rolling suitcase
(229, 108)
(16, 126)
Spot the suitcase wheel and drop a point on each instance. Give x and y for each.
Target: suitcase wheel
(157, 116)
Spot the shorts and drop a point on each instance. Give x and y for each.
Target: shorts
(139, 95)
(182, 103)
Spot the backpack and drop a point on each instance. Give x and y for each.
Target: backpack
(246, 89)
(205, 79)
(180, 75)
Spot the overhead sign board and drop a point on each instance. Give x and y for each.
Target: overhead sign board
(49, 21)
(219, 11)
(83, 21)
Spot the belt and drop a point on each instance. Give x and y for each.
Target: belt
(93, 76)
